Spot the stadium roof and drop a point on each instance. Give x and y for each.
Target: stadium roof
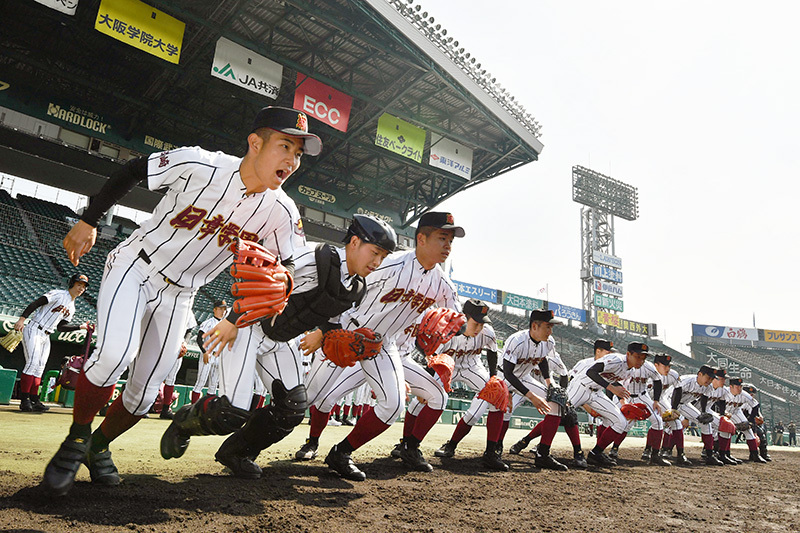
(389, 56)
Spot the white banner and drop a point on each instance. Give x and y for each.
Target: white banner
(606, 259)
(725, 332)
(65, 6)
(608, 288)
(450, 156)
(245, 68)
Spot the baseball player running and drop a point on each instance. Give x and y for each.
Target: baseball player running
(150, 279)
(328, 281)
(398, 293)
(208, 362)
(50, 312)
(466, 351)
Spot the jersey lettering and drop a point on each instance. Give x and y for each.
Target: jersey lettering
(210, 226)
(189, 218)
(392, 296)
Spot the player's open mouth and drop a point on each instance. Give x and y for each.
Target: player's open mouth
(280, 174)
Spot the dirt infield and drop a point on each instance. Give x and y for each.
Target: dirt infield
(195, 494)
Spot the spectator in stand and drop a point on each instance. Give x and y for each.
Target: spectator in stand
(792, 428)
(777, 434)
(693, 430)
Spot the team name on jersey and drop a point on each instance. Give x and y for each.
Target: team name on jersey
(415, 300)
(452, 352)
(61, 309)
(639, 379)
(192, 216)
(530, 360)
(611, 377)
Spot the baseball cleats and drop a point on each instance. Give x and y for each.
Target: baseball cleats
(101, 468)
(239, 457)
(334, 422)
(549, 462)
(579, 461)
(711, 460)
(599, 459)
(647, 454)
(517, 448)
(732, 458)
(448, 449)
(59, 476)
(412, 457)
(307, 452)
(657, 460)
(37, 406)
(614, 454)
(491, 458)
(755, 457)
(396, 451)
(342, 464)
(166, 413)
(723, 457)
(174, 441)
(25, 405)
(682, 460)
(347, 421)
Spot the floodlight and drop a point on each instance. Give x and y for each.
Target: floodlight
(593, 189)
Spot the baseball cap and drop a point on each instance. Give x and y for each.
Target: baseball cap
(603, 344)
(441, 220)
(477, 311)
(720, 373)
(707, 370)
(220, 303)
(663, 359)
(638, 347)
(735, 381)
(291, 122)
(540, 315)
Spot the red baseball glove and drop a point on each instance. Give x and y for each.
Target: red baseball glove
(259, 289)
(635, 411)
(437, 327)
(346, 347)
(726, 426)
(443, 364)
(495, 392)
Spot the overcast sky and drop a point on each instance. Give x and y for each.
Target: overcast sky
(693, 103)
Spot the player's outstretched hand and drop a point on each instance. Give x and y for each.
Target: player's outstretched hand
(311, 342)
(619, 391)
(220, 337)
(539, 403)
(19, 325)
(79, 241)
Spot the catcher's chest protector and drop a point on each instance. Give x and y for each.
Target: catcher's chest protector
(308, 310)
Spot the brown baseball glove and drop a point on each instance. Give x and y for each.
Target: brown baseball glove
(11, 340)
(670, 414)
(437, 327)
(346, 347)
(260, 289)
(443, 364)
(758, 420)
(495, 392)
(635, 411)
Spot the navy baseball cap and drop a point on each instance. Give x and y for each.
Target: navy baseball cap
(663, 358)
(707, 370)
(720, 373)
(441, 220)
(540, 315)
(735, 381)
(477, 311)
(291, 122)
(603, 344)
(638, 347)
(220, 303)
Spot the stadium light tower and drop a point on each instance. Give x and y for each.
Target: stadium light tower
(603, 199)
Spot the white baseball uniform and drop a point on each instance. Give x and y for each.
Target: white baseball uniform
(43, 321)
(639, 383)
(207, 373)
(582, 389)
(527, 354)
(150, 279)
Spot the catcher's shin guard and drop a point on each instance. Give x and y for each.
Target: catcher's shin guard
(272, 423)
(209, 416)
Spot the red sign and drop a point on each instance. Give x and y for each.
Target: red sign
(322, 102)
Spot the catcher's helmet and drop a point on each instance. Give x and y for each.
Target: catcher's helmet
(372, 230)
(78, 277)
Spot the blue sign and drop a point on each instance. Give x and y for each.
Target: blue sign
(606, 272)
(565, 311)
(467, 290)
(702, 330)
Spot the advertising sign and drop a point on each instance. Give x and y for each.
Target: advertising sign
(67, 7)
(241, 66)
(724, 332)
(606, 259)
(322, 102)
(601, 300)
(605, 272)
(468, 290)
(400, 137)
(610, 319)
(791, 337)
(521, 302)
(141, 26)
(565, 311)
(608, 288)
(450, 156)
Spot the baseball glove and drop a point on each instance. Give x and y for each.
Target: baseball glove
(437, 327)
(670, 414)
(495, 392)
(557, 395)
(12, 340)
(635, 411)
(726, 426)
(346, 347)
(758, 420)
(259, 294)
(569, 417)
(443, 364)
(183, 350)
(742, 426)
(705, 418)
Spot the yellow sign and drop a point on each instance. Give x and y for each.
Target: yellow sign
(610, 319)
(141, 26)
(791, 337)
(400, 137)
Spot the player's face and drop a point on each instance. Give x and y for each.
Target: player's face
(636, 359)
(219, 312)
(736, 389)
(662, 369)
(434, 248)
(703, 379)
(541, 331)
(78, 288)
(601, 352)
(473, 327)
(275, 159)
(363, 257)
(718, 382)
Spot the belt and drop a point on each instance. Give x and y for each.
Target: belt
(146, 258)
(637, 394)
(42, 328)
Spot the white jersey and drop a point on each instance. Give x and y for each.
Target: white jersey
(401, 279)
(526, 353)
(581, 367)
(692, 390)
(466, 351)
(60, 306)
(640, 380)
(614, 369)
(209, 323)
(743, 400)
(714, 395)
(205, 207)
